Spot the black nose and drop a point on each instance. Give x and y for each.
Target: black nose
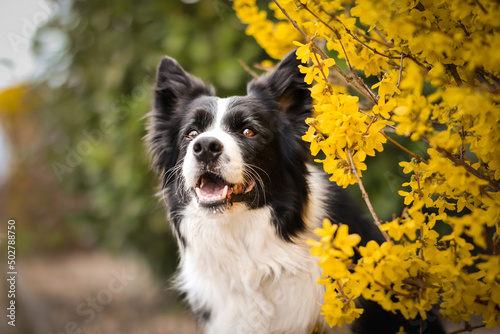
(207, 149)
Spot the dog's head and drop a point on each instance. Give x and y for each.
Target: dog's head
(222, 153)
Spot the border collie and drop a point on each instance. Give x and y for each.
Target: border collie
(243, 198)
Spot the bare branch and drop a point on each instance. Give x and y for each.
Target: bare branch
(376, 220)
(400, 70)
(468, 328)
(481, 6)
(398, 145)
(248, 69)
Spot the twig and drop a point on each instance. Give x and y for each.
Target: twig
(414, 155)
(322, 71)
(391, 128)
(381, 35)
(495, 185)
(373, 120)
(248, 69)
(349, 79)
(388, 288)
(376, 220)
(400, 70)
(481, 6)
(468, 328)
(496, 80)
(323, 137)
(453, 70)
(462, 145)
(292, 21)
(337, 34)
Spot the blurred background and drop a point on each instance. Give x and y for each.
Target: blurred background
(93, 250)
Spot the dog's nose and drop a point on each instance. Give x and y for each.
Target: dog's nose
(207, 149)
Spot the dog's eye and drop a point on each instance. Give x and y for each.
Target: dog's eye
(193, 134)
(248, 133)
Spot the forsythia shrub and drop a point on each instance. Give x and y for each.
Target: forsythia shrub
(452, 46)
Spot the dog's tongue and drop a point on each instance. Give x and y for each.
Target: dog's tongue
(212, 190)
(211, 187)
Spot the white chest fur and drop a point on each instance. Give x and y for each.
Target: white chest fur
(251, 281)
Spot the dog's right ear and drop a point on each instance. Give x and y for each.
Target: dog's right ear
(174, 88)
(174, 84)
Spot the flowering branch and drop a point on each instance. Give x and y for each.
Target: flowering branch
(361, 88)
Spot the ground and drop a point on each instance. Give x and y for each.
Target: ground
(94, 293)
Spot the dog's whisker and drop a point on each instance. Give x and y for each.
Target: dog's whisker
(251, 172)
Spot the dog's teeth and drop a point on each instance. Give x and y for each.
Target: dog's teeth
(202, 183)
(198, 192)
(224, 192)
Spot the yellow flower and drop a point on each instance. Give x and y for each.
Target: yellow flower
(345, 241)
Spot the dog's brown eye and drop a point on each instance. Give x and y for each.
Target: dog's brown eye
(193, 134)
(248, 133)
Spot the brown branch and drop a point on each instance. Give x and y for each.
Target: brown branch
(391, 127)
(381, 35)
(388, 288)
(370, 38)
(292, 21)
(453, 71)
(400, 71)
(337, 34)
(495, 185)
(490, 75)
(323, 137)
(247, 68)
(463, 133)
(481, 6)
(373, 120)
(467, 328)
(414, 155)
(348, 78)
(322, 71)
(364, 194)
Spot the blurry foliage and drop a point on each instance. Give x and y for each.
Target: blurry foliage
(98, 87)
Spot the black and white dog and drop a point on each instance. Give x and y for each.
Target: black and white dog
(243, 198)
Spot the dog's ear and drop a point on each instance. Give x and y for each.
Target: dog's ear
(173, 84)
(174, 88)
(285, 84)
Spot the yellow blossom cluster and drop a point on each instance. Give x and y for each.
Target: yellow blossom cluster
(436, 68)
(275, 38)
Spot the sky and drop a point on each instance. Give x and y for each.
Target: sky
(18, 23)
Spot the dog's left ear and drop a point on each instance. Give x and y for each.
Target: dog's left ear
(285, 84)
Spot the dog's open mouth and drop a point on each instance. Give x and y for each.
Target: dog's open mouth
(212, 190)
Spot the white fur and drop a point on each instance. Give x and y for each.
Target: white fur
(236, 266)
(221, 111)
(231, 160)
(231, 165)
